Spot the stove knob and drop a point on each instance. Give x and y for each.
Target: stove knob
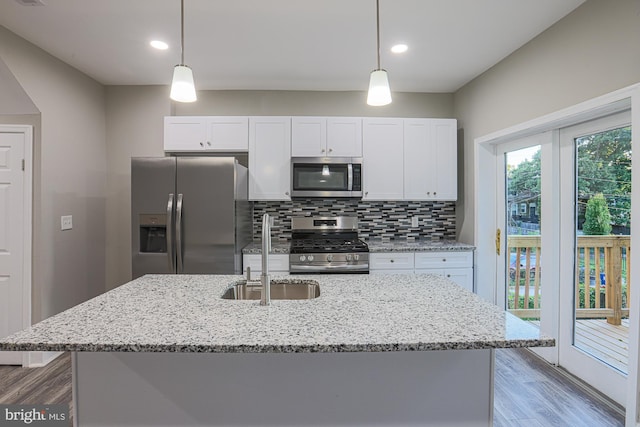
(310, 257)
(356, 257)
(303, 258)
(349, 257)
(329, 257)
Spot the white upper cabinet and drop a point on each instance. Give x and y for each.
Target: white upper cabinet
(184, 133)
(383, 159)
(269, 158)
(430, 159)
(206, 133)
(326, 137)
(228, 133)
(308, 136)
(344, 137)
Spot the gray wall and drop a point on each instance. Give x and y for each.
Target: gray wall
(592, 51)
(135, 122)
(69, 176)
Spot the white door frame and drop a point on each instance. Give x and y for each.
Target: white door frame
(27, 132)
(486, 197)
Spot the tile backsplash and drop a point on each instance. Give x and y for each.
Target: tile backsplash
(385, 221)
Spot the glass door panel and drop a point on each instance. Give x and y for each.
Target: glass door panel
(602, 232)
(522, 225)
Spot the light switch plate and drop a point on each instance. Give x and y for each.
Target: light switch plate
(66, 222)
(414, 221)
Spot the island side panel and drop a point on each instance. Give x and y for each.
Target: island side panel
(453, 388)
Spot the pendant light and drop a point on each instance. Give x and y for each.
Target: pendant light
(379, 92)
(182, 87)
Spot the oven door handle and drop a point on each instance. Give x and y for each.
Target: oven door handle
(350, 177)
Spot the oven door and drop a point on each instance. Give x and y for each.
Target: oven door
(326, 177)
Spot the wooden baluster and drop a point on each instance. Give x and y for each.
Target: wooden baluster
(628, 263)
(527, 277)
(536, 291)
(587, 278)
(597, 282)
(577, 275)
(516, 295)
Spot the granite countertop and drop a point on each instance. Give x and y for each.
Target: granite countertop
(282, 247)
(354, 313)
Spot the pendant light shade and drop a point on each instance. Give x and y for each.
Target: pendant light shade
(183, 89)
(379, 91)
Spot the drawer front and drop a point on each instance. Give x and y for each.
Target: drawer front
(391, 271)
(444, 259)
(391, 261)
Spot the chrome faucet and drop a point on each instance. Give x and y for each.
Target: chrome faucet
(265, 295)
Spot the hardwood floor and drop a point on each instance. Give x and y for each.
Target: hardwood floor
(47, 385)
(528, 392)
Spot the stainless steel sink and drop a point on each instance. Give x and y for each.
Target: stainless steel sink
(280, 289)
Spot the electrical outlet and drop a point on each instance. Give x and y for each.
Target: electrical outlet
(66, 222)
(414, 221)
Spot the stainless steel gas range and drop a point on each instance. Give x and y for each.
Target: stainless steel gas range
(327, 245)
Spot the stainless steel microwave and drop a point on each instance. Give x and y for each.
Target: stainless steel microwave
(326, 177)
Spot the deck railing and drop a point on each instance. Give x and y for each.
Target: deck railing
(602, 274)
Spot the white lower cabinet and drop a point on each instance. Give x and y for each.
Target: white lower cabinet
(456, 266)
(278, 263)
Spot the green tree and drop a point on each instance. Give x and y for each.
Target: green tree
(597, 218)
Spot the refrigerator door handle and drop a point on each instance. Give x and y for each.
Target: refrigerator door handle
(180, 268)
(169, 233)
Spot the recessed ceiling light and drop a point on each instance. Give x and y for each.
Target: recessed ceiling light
(159, 44)
(399, 48)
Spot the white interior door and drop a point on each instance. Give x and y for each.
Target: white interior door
(12, 238)
(594, 258)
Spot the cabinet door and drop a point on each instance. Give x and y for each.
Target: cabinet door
(445, 259)
(420, 163)
(184, 133)
(444, 134)
(344, 137)
(383, 159)
(269, 158)
(227, 133)
(462, 276)
(308, 136)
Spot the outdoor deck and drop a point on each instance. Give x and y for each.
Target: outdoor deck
(609, 343)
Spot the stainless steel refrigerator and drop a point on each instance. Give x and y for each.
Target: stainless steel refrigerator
(188, 215)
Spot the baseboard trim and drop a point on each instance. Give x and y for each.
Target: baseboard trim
(38, 359)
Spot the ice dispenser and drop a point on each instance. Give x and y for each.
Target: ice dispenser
(153, 233)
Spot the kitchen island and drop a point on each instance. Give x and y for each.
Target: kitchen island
(384, 350)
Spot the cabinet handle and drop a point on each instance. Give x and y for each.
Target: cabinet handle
(286, 193)
(392, 261)
(209, 143)
(448, 275)
(428, 193)
(444, 260)
(330, 150)
(434, 193)
(201, 144)
(322, 151)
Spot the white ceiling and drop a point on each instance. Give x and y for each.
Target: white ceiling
(284, 44)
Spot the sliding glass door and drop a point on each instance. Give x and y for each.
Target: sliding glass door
(595, 246)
